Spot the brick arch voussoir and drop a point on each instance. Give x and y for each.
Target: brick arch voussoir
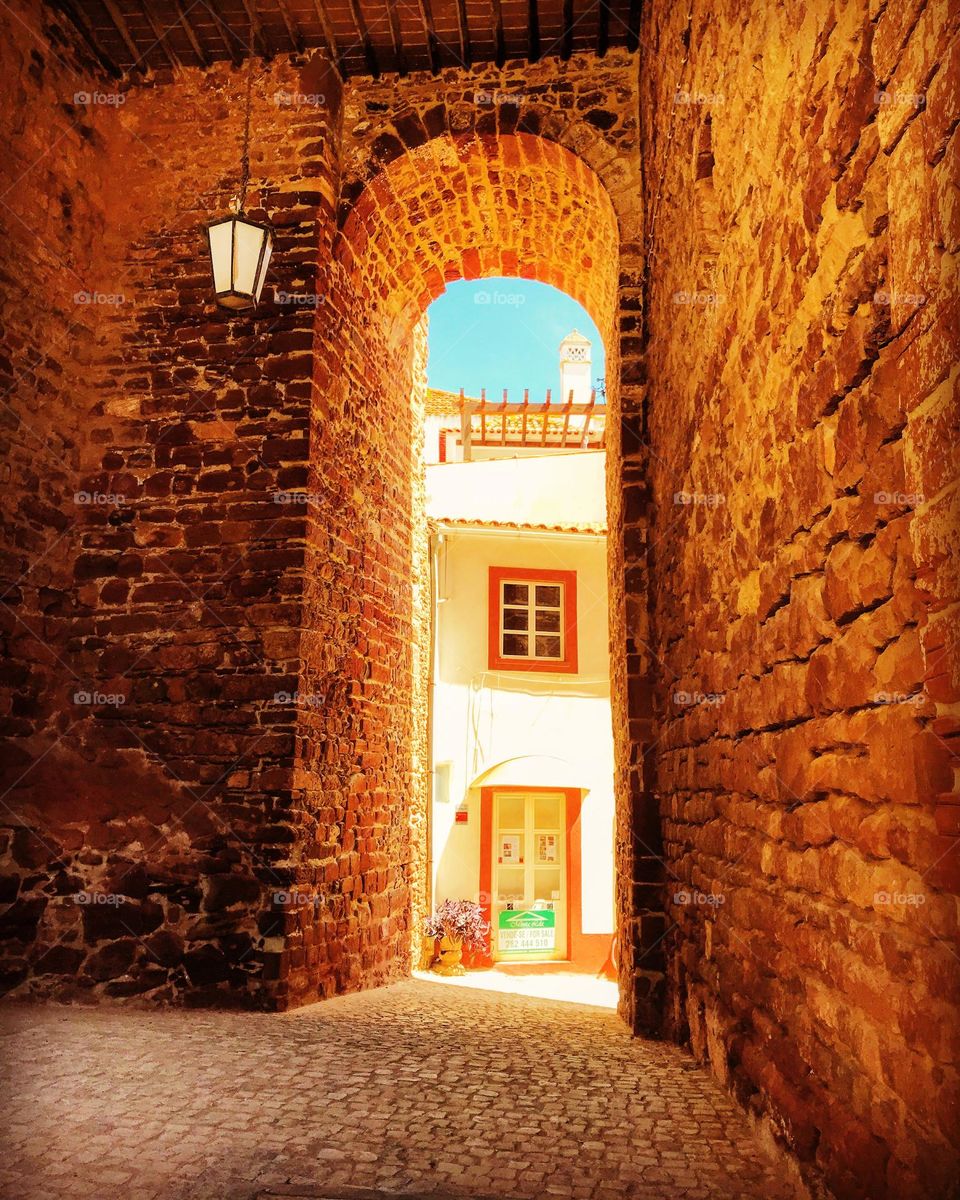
(476, 205)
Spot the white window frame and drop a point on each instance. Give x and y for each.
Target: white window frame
(531, 631)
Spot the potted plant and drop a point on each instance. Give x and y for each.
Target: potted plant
(455, 924)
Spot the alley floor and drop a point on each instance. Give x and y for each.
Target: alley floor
(416, 1089)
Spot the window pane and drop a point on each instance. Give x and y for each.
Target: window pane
(548, 594)
(511, 811)
(515, 593)
(548, 620)
(546, 811)
(516, 644)
(547, 646)
(516, 618)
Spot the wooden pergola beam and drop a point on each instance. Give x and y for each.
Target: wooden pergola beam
(546, 419)
(566, 419)
(588, 417)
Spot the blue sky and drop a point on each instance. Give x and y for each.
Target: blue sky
(503, 333)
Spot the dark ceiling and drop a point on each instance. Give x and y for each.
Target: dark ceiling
(365, 36)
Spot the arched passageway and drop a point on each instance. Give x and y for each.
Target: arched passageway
(451, 208)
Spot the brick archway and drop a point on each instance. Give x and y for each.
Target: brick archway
(450, 208)
(479, 205)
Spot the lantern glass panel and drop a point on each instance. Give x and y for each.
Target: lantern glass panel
(221, 244)
(247, 244)
(267, 251)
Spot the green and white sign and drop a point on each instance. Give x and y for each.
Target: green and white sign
(523, 932)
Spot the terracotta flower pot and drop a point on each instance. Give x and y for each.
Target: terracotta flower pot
(451, 954)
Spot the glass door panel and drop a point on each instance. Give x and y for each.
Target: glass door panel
(530, 876)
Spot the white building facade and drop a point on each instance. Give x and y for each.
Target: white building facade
(522, 813)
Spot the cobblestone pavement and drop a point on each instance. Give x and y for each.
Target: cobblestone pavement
(412, 1089)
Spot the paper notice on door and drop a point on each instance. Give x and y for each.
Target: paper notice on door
(546, 847)
(510, 848)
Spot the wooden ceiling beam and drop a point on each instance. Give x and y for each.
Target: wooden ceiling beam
(161, 36)
(463, 28)
(227, 36)
(191, 33)
(603, 28)
(566, 44)
(116, 16)
(396, 37)
(330, 38)
(500, 55)
(426, 15)
(69, 9)
(633, 24)
(533, 31)
(259, 40)
(293, 29)
(363, 36)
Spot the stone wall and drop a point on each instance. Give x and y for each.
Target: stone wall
(148, 813)
(217, 722)
(800, 166)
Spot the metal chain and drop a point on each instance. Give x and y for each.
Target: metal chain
(245, 158)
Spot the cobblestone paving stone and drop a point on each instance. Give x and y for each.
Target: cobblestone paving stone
(412, 1089)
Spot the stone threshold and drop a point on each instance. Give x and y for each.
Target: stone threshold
(299, 1192)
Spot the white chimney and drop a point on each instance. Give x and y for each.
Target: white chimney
(575, 368)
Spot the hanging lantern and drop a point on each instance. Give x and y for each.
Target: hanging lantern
(239, 254)
(240, 248)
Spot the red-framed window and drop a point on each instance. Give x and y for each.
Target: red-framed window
(532, 620)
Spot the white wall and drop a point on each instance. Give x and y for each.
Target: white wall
(482, 719)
